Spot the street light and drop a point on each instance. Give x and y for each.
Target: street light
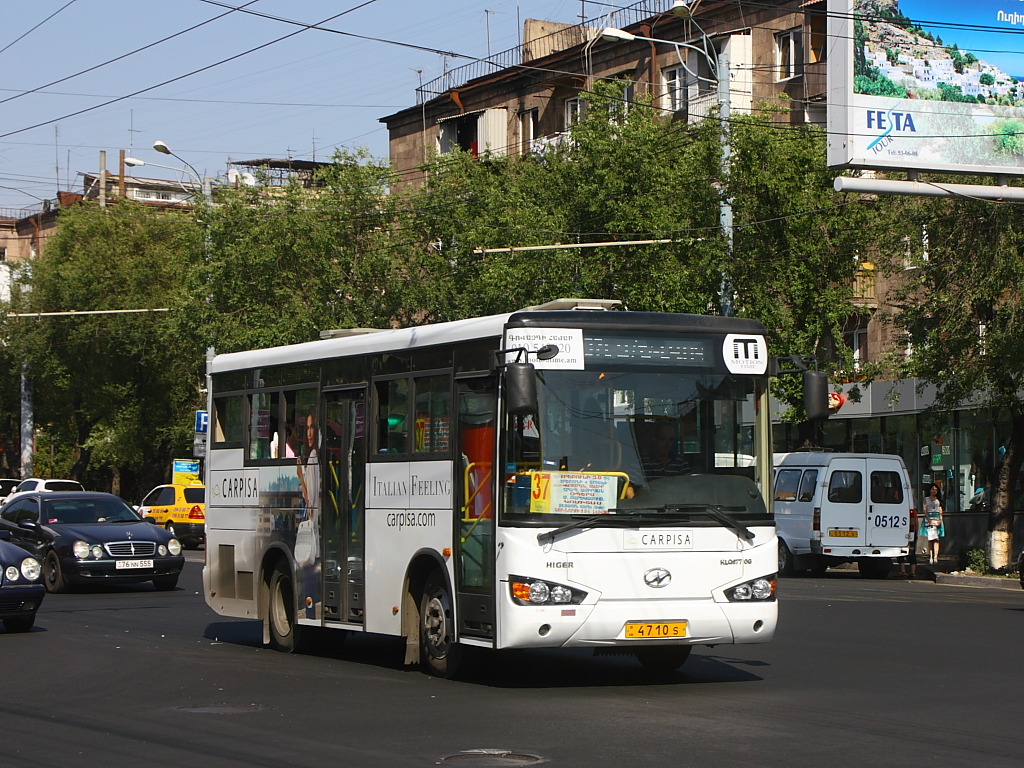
(163, 149)
(718, 63)
(197, 182)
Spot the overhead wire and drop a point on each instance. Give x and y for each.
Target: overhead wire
(187, 74)
(123, 55)
(37, 26)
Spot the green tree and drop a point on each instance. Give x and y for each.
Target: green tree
(279, 265)
(644, 177)
(961, 311)
(112, 391)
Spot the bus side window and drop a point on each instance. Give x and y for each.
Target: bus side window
(433, 403)
(393, 416)
(228, 419)
(264, 418)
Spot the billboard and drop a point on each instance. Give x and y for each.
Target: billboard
(930, 85)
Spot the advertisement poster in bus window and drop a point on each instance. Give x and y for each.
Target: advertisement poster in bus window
(926, 85)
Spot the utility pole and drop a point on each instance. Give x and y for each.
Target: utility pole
(725, 292)
(103, 178)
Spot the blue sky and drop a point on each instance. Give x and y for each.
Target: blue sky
(313, 89)
(999, 48)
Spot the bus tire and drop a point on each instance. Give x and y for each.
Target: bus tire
(663, 659)
(440, 655)
(785, 560)
(284, 631)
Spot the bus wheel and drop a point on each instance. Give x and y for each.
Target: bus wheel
(439, 653)
(785, 560)
(284, 631)
(663, 659)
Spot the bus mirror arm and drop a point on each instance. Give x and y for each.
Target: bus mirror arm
(521, 378)
(815, 383)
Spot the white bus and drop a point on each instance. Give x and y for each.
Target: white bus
(544, 478)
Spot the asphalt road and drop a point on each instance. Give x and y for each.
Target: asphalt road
(879, 673)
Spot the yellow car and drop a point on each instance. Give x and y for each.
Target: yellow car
(181, 509)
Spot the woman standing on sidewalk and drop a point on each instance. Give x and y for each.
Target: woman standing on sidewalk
(931, 525)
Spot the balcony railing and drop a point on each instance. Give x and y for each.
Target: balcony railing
(560, 40)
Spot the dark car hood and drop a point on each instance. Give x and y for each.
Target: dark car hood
(12, 554)
(101, 533)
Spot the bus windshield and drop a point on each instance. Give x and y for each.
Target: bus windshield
(632, 439)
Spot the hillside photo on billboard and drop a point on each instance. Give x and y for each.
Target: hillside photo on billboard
(926, 85)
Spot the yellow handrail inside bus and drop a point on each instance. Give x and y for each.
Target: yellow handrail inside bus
(471, 495)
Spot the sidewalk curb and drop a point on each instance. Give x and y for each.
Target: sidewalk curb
(992, 582)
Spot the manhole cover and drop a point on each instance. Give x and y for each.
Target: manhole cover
(221, 709)
(490, 758)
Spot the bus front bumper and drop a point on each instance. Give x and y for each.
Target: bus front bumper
(604, 624)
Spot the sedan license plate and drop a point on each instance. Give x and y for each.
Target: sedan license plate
(133, 564)
(832, 532)
(655, 629)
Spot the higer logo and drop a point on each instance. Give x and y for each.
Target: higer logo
(888, 122)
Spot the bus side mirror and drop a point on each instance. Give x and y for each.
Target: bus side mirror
(520, 388)
(815, 394)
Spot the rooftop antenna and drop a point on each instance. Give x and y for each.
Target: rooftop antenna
(487, 24)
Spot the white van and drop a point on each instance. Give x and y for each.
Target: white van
(833, 508)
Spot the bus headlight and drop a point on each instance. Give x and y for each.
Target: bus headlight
(757, 589)
(527, 591)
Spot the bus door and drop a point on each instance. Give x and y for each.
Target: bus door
(475, 470)
(344, 475)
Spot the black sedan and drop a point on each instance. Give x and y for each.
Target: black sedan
(21, 586)
(91, 538)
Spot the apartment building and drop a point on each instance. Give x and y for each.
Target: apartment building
(525, 98)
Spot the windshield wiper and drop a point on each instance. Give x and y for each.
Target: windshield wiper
(579, 522)
(711, 510)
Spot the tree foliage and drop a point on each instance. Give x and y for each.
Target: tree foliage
(961, 310)
(109, 388)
